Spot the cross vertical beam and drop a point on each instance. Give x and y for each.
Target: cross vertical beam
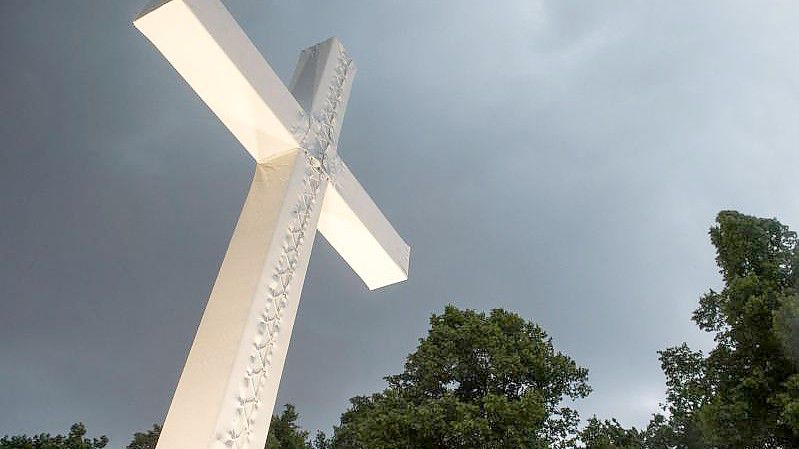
(227, 391)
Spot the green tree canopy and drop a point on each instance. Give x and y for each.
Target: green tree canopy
(495, 381)
(475, 381)
(285, 433)
(145, 440)
(609, 434)
(745, 392)
(76, 439)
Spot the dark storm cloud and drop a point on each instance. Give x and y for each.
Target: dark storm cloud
(559, 159)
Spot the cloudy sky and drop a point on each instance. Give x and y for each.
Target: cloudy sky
(560, 159)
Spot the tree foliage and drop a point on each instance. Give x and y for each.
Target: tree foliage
(495, 381)
(609, 434)
(745, 392)
(145, 440)
(475, 381)
(75, 439)
(285, 433)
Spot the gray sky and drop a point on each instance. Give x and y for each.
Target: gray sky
(560, 159)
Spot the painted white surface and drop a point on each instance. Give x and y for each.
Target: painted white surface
(211, 52)
(355, 227)
(231, 377)
(228, 387)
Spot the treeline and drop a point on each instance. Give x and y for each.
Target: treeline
(495, 381)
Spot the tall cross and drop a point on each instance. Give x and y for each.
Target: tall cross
(227, 390)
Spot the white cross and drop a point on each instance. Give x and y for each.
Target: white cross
(227, 391)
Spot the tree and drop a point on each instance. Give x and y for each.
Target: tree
(145, 440)
(745, 392)
(475, 381)
(76, 439)
(610, 435)
(686, 391)
(285, 433)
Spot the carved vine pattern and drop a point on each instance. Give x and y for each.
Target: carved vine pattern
(321, 162)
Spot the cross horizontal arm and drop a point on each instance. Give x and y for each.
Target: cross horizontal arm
(208, 48)
(355, 227)
(350, 220)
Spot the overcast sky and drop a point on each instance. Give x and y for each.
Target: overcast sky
(560, 159)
